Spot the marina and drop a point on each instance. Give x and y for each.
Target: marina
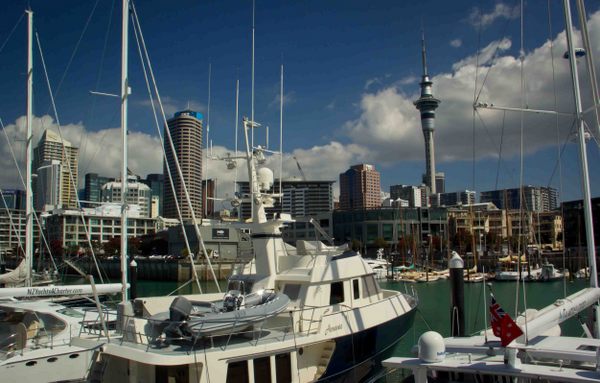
(233, 266)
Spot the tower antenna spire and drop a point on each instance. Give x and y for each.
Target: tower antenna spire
(423, 50)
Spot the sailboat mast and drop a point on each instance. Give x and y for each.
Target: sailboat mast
(29, 155)
(587, 206)
(124, 185)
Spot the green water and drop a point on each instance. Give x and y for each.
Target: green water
(434, 303)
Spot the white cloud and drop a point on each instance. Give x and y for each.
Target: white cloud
(490, 52)
(456, 43)
(389, 126)
(100, 151)
(288, 98)
(501, 11)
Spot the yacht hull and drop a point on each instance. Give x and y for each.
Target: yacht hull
(358, 357)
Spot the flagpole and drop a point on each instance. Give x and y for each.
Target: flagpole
(485, 306)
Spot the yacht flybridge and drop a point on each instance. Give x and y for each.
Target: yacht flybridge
(313, 312)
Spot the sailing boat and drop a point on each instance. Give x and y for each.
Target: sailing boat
(535, 350)
(36, 335)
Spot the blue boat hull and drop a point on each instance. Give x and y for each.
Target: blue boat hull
(358, 357)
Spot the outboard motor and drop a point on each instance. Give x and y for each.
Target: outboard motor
(232, 300)
(179, 313)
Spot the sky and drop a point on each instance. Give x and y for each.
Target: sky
(351, 74)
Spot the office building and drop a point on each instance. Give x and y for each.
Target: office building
(51, 147)
(463, 197)
(535, 198)
(48, 186)
(360, 188)
(13, 199)
(415, 195)
(300, 198)
(574, 223)
(403, 229)
(92, 192)
(185, 129)
(137, 194)
(156, 183)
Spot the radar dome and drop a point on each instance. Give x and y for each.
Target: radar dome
(265, 178)
(431, 347)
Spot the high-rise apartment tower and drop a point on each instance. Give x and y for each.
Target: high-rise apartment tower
(186, 132)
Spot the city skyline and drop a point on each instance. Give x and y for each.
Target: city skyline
(347, 97)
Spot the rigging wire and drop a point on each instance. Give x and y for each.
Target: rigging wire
(155, 115)
(11, 32)
(85, 27)
(91, 113)
(500, 150)
(73, 182)
(176, 161)
(558, 148)
(35, 215)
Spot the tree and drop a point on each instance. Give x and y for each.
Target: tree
(113, 246)
(56, 247)
(356, 245)
(380, 243)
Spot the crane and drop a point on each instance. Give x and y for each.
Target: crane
(300, 169)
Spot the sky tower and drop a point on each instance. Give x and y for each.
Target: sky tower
(427, 104)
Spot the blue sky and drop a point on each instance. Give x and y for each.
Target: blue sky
(351, 73)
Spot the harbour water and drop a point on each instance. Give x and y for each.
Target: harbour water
(434, 303)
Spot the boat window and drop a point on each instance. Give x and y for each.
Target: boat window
(370, 287)
(262, 369)
(237, 372)
(173, 374)
(337, 293)
(283, 369)
(355, 289)
(292, 291)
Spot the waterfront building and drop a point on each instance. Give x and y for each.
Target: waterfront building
(185, 129)
(48, 186)
(156, 183)
(549, 230)
(92, 192)
(103, 223)
(415, 195)
(137, 194)
(51, 147)
(13, 199)
(427, 104)
(463, 197)
(574, 223)
(360, 188)
(535, 198)
(411, 227)
(12, 230)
